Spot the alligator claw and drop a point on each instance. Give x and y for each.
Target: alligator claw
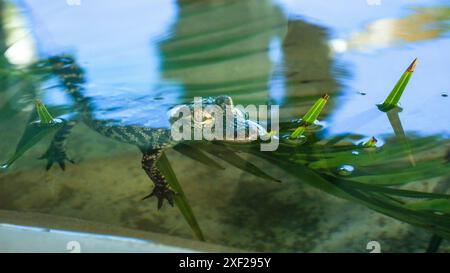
(56, 155)
(161, 193)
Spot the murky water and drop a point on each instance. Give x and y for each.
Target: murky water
(142, 57)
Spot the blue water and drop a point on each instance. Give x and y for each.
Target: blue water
(143, 57)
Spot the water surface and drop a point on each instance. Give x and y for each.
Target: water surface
(143, 57)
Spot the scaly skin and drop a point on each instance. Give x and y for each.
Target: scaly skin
(151, 141)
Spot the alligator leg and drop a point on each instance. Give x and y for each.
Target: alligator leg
(161, 190)
(56, 152)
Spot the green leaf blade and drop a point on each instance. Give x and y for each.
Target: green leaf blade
(180, 198)
(44, 115)
(310, 116)
(396, 93)
(34, 132)
(314, 112)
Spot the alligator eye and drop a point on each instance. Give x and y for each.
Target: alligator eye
(207, 118)
(203, 118)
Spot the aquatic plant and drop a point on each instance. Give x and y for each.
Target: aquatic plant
(180, 198)
(44, 115)
(35, 131)
(386, 189)
(396, 93)
(310, 117)
(372, 142)
(380, 178)
(375, 189)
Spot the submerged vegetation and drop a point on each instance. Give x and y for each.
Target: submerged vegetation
(387, 191)
(180, 198)
(393, 188)
(404, 176)
(35, 131)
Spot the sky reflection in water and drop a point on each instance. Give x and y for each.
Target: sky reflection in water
(119, 44)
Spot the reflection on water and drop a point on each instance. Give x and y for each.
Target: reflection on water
(222, 47)
(259, 52)
(248, 50)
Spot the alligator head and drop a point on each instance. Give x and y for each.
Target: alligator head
(217, 118)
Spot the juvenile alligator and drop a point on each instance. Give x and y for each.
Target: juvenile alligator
(151, 141)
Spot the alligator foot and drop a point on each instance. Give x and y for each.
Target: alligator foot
(161, 193)
(55, 154)
(161, 190)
